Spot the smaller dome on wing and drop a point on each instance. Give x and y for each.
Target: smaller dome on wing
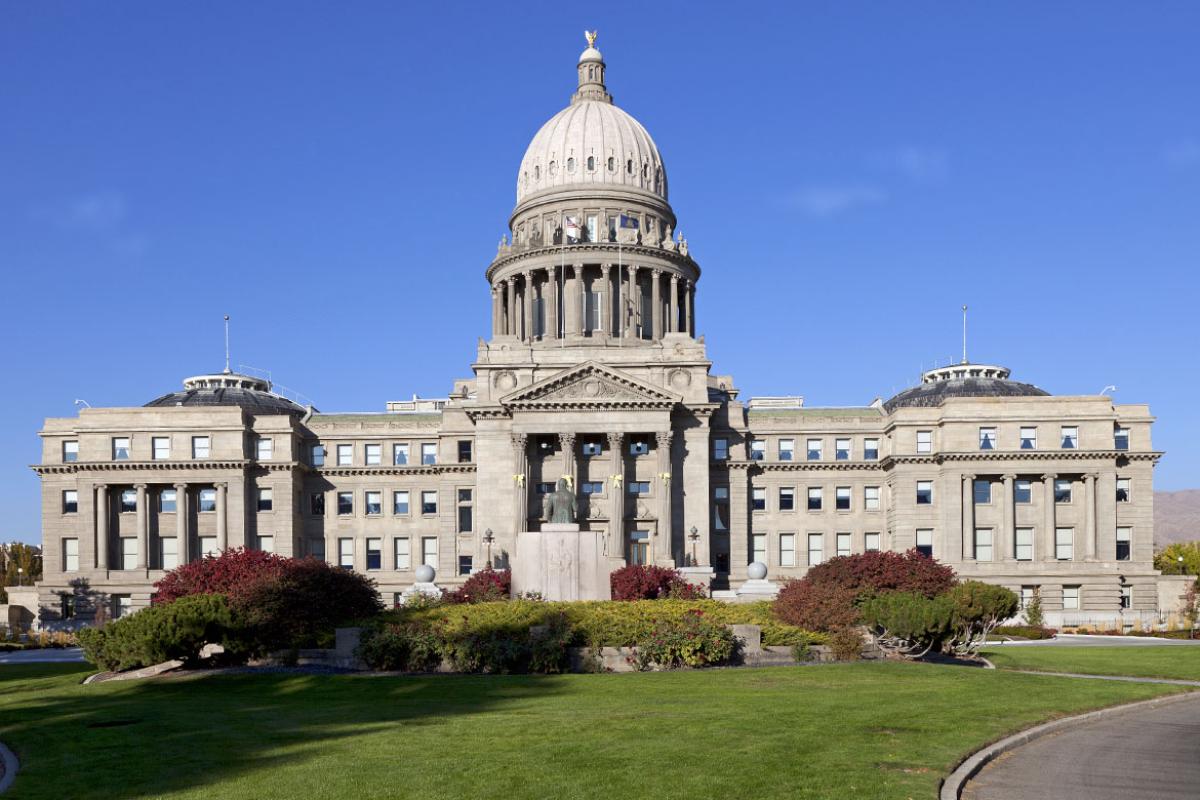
(229, 389)
(961, 380)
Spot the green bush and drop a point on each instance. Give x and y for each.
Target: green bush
(909, 624)
(1024, 632)
(691, 641)
(846, 644)
(176, 630)
(406, 648)
(977, 609)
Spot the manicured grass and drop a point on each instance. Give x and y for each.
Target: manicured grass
(871, 730)
(1147, 662)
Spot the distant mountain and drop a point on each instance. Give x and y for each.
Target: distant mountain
(1176, 517)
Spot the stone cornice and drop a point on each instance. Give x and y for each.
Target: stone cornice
(805, 466)
(487, 412)
(388, 469)
(1026, 456)
(589, 252)
(153, 466)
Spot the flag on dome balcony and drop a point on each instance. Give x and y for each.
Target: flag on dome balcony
(571, 230)
(630, 223)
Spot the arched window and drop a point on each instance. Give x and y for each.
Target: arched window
(553, 168)
(537, 173)
(645, 171)
(612, 164)
(591, 73)
(591, 163)
(571, 164)
(629, 166)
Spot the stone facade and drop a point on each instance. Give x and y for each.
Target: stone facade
(594, 372)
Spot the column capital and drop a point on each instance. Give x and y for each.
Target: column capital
(658, 271)
(528, 273)
(1091, 476)
(968, 476)
(101, 486)
(566, 439)
(140, 486)
(675, 277)
(664, 438)
(181, 485)
(519, 440)
(615, 440)
(1009, 477)
(1049, 476)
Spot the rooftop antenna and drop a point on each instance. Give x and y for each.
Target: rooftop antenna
(227, 370)
(964, 335)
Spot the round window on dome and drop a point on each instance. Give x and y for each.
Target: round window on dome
(571, 164)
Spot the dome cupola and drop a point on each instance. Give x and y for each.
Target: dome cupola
(961, 380)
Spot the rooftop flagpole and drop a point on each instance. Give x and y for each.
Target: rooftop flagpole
(227, 370)
(964, 359)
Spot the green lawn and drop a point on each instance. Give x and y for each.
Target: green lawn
(1147, 662)
(871, 730)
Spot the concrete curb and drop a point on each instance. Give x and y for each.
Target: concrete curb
(954, 783)
(8, 768)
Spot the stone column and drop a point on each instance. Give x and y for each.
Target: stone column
(696, 502)
(552, 309)
(620, 325)
(143, 525)
(1007, 539)
(570, 307)
(608, 323)
(691, 309)
(102, 543)
(222, 522)
(520, 442)
(509, 300)
(739, 525)
(527, 295)
(616, 524)
(181, 520)
(968, 517)
(1089, 512)
(664, 546)
(1046, 540)
(495, 310)
(635, 299)
(656, 303)
(580, 305)
(673, 319)
(566, 441)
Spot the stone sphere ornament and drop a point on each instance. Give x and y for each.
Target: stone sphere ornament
(425, 574)
(757, 571)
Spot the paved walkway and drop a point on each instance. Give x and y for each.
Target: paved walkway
(1076, 640)
(1151, 753)
(65, 655)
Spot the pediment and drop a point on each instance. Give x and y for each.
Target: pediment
(591, 385)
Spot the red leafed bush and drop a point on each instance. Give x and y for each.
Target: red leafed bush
(234, 573)
(826, 598)
(485, 586)
(649, 582)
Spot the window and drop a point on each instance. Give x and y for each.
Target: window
(1022, 491)
(814, 449)
(345, 504)
(592, 487)
(871, 542)
(266, 543)
(120, 448)
(428, 454)
(924, 493)
(317, 455)
(637, 547)
(871, 449)
(720, 449)
(70, 451)
(871, 498)
(161, 447)
(1126, 597)
(814, 498)
(787, 449)
(1027, 595)
(841, 449)
(1123, 487)
(464, 451)
(1070, 438)
(316, 549)
(403, 552)
(1023, 548)
(429, 502)
(345, 455)
(374, 503)
(758, 450)
(1064, 546)
(373, 454)
(983, 491)
(544, 488)
(594, 302)
(592, 447)
(70, 559)
(429, 551)
(265, 499)
(841, 500)
(465, 564)
(200, 446)
(70, 501)
(1070, 598)
(465, 513)
(787, 549)
(1124, 542)
(374, 553)
(346, 553)
(758, 501)
(843, 544)
(129, 553)
(316, 504)
(925, 541)
(400, 455)
(1120, 439)
(128, 501)
(122, 605)
(265, 449)
(207, 500)
(639, 487)
(987, 438)
(1029, 438)
(400, 503)
(983, 544)
(924, 441)
(167, 501)
(721, 508)
(758, 548)
(208, 546)
(816, 547)
(66, 608)
(639, 447)
(787, 498)
(1062, 490)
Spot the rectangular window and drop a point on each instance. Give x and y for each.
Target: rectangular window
(592, 447)
(428, 454)
(758, 501)
(265, 499)
(1027, 595)
(787, 498)
(373, 454)
(871, 542)
(1123, 487)
(814, 498)
(374, 503)
(400, 503)
(925, 541)
(843, 544)
(983, 491)
(429, 551)
(544, 488)
(464, 451)
(161, 446)
(316, 504)
(816, 549)
(400, 455)
(1022, 491)
(987, 438)
(70, 501)
(639, 487)
(1124, 543)
(983, 544)
(1126, 597)
(316, 549)
(200, 446)
(120, 448)
(265, 449)
(595, 304)
(924, 441)
(871, 498)
(1070, 438)
(465, 519)
(129, 553)
(841, 449)
(316, 455)
(207, 500)
(429, 502)
(208, 546)
(720, 449)
(871, 449)
(403, 552)
(924, 493)
(1023, 547)
(637, 545)
(167, 501)
(787, 549)
(345, 455)
(1029, 438)
(128, 501)
(1062, 490)
(266, 543)
(1120, 438)
(758, 548)
(374, 553)
(787, 449)
(593, 487)
(346, 553)
(466, 563)
(721, 508)
(1070, 598)
(70, 451)
(639, 447)
(345, 504)
(1064, 546)
(814, 449)
(122, 605)
(758, 450)
(841, 498)
(70, 558)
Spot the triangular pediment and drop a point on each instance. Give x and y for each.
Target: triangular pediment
(591, 385)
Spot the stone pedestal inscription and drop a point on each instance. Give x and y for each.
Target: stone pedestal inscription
(563, 563)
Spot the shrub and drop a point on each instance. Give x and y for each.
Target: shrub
(846, 644)
(1024, 631)
(827, 597)
(485, 586)
(977, 609)
(908, 624)
(650, 582)
(406, 648)
(160, 633)
(1034, 617)
(690, 641)
(233, 573)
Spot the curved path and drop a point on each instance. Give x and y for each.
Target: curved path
(1148, 752)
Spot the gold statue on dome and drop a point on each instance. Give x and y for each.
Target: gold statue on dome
(591, 37)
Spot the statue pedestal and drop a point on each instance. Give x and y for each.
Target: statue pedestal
(562, 562)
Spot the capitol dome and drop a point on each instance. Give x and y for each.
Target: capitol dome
(961, 380)
(591, 144)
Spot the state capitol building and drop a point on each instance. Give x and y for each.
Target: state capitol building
(594, 371)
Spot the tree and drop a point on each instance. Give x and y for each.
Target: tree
(1167, 560)
(20, 565)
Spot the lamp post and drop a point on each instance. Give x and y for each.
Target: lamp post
(693, 537)
(488, 538)
(21, 575)
(1179, 559)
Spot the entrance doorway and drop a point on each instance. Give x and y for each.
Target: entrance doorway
(636, 551)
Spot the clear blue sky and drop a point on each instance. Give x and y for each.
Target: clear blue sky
(336, 176)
